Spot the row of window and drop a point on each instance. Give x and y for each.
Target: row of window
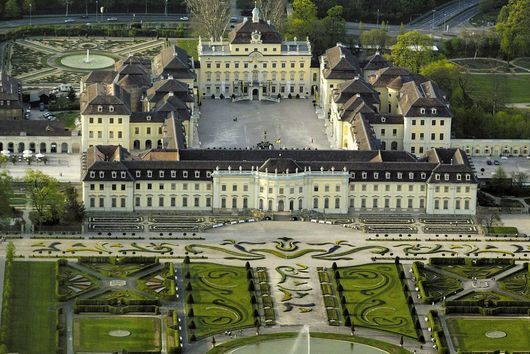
(374, 203)
(273, 89)
(119, 134)
(422, 136)
(433, 121)
(121, 202)
(387, 188)
(445, 204)
(91, 120)
(149, 173)
(264, 65)
(148, 130)
(262, 76)
(173, 186)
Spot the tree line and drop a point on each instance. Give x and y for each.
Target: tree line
(10, 9)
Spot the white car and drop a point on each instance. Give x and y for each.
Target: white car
(184, 18)
(69, 20)
(112, 19)
(504, 157)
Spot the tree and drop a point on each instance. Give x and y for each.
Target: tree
(487, 217)
(6, 192)
(74, 211)
(71, 95)
(274, 11)
(500, 180)
(12, 9)
(444, 73)
(412, 50)
(519, 179)
(3, 160)
(303, 19)
(210, 18)
(513, 24)
(46, 197)
(375, 38)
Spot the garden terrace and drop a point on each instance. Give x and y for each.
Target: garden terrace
(390, 229)
(115, 227)
(218, 298)
(176, 219)
(372, 296)
(177, 227)
(329, 295)
(445, 220)
(74, 282)
(490, 296)
(120, 220)
(517, 283)
(469, 268)
(388, 219)
(438, 229)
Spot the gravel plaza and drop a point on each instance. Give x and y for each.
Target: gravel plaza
(289, 124)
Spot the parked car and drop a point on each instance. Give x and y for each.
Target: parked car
(84, 16)
(496, 163)
(69, 20)
(233, 19)
(184, 18)
(112, 19)
(504, 157)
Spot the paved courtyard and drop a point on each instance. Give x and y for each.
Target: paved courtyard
(293, 122)
(64, 167)
(510, 165)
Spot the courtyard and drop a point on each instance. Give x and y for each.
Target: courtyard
(288, 124)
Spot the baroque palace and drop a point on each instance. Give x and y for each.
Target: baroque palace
(389, 128)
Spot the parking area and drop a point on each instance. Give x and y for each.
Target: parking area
(509, 165)
(288, 124)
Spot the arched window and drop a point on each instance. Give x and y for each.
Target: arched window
(148, 144)
(136, 145)
(337, 203)
(261, 204)
(315, 203)
(300, 204)
(42, 148)
(234, 203)
(394, 145)
(64, 148)
(270, 205)
(383, 145)
(326, 203)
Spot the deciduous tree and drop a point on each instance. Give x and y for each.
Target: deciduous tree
(6, 192)
(413, 50)
(210, 18)
(375, 38)
(45, 194)
(513, 25)
(274, 11)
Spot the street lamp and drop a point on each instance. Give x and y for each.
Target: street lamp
(97, 9)
(146, 7)
(165, 8)
(444, 20)
(377, 21)
(66, 14)
(433, 11)
(30, 14)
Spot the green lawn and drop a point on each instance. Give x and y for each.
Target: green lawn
(503, 230)
(486, 295)
(33, 318)
(91, 334)
(517, 283)
(517, 85)
(374, 298)
(468, 333)
(190, 46)
(221, 300)
(68, 118)
(524, 62)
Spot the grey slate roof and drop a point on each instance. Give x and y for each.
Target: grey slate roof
(340, 64)
(242, 33)
(33, 128)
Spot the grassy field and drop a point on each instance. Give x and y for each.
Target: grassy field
(517, 283)
(374, 298)
(33, 319)
(468, 334)
(503, 230)
(486, 295)
(91, 334)
(221, 300)
(517, 86)
(68, 118)
(190, 46)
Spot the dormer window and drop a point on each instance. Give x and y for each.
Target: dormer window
(383, 119)
(138, 174)
(446, 176)
(400, 175)
(185, 174)
(92, 174)
(149, 174)
(173, 174)
(148, 118)
(422, 110)
(433, 110)
(208, 174)
(437, 176)
(100, 108)
(411, 175)
(387, 175)
(161, 174)
(364, 174)
(459, 177)
(111, 108)
(376, 175)
(197, 174)
(468, 177)
(423, 175)
(101, 174)
(123, 175)
(114, 174)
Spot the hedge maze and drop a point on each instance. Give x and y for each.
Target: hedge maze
(219, 298)
(373, 295)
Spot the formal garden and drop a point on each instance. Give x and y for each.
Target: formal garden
(220, 298)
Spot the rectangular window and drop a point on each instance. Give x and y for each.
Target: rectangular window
(410, 203)
(92, 202)
(137, 202)
(149, 201)
(161, 201)
(173, 201)
(315, 188)
(457, 204)
(196, 202)
(398, 203)
(374, 203)
(101, 202)
(446, 204)
(184, 201)
(184, 186)
(466, 204)
(208, 202)
(122, 202)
